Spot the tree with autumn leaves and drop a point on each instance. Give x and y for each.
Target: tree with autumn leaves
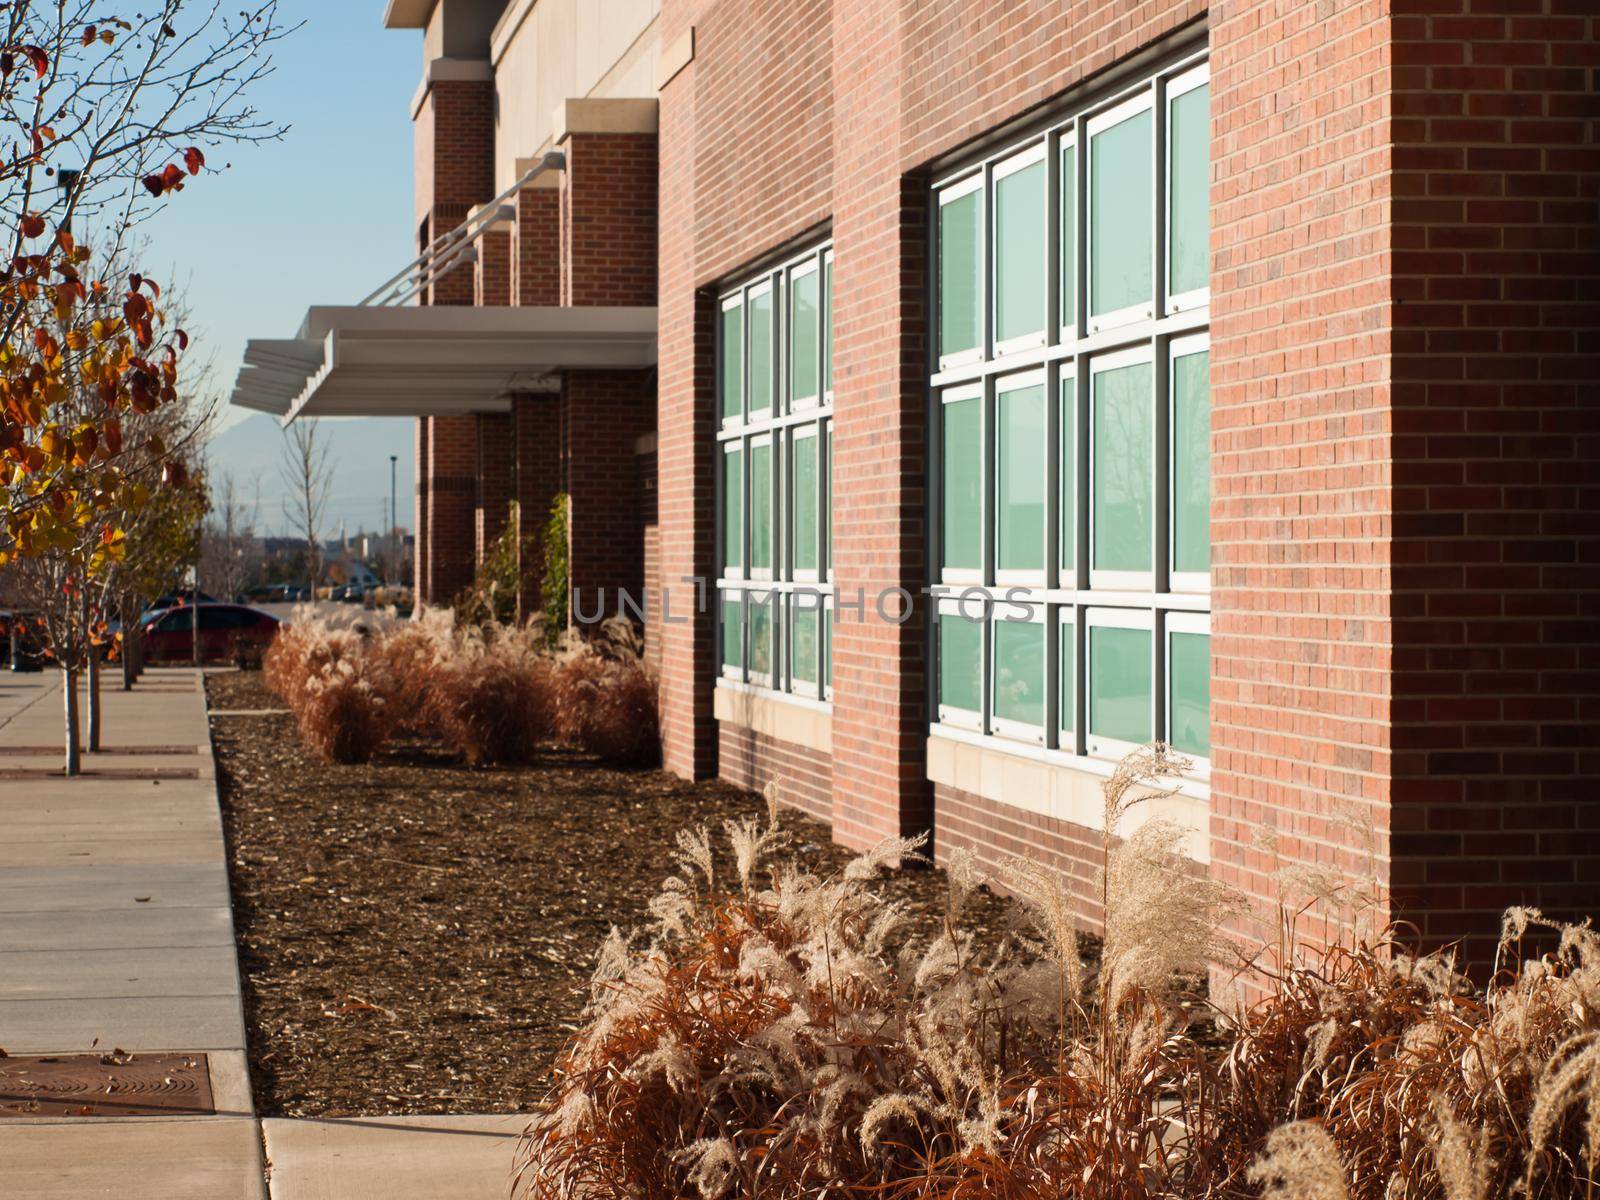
(105, 114)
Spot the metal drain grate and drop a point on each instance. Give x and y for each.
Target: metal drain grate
(105, 1085)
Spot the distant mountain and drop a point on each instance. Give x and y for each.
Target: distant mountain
(358, 449)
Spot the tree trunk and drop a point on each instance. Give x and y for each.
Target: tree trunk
(69, 682)
(194, 626)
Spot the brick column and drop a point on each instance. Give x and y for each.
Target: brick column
(493, 471)
(1496, 564)
(1302, 496)
(452, 494)
(419, 541)
(536, 479)
(880, 785)
(609, 216)
(491, 284)
(536, 263)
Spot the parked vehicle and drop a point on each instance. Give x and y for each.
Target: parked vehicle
(175, 599)
(225, 630)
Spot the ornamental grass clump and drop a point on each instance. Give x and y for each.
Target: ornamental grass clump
(491, 700)
(781, 1033)
(407, 661)
(605, 695)
(326, 676)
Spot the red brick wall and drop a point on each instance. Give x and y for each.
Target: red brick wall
(1300, 390)
(494, 479)
(419, 545)
(452, 494)
(454, 168)
(492, 271)
(649, 515)
(609, 218)
(1496, 445)
(536, 266)
(752, 760)
(607, 412)
(536, 479)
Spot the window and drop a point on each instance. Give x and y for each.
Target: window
(1071, 429)
(774, 394)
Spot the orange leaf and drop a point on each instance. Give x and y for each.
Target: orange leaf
(89, 35)
(194, 160)
(39, 59)
(32, 225)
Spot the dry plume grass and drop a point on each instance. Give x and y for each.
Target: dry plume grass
(775, 1035)
(492, 698)
(327, 679)
(605, 696)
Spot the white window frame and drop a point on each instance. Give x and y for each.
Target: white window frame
(1066, 564)
(1181, 347)
(961, 718)
(825, 288)
(1003, 386)
(1103, 579)
(1066, 626)
(725, 670)
(825, 648)
(1067, 146)
(967, 575)
(1006, 613)
(1144, 310)
(1181, 622)
(948, 193)
(733, 570)
(737, 420)
(805, 603)
(800, 270)
(770, 571)
(1177, 86)
(793, 436)
(1007, 167)
(1099, 745)
(772, 600)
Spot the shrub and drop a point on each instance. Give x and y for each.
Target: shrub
(605, 696)
(407, 660)
(492, 700)
(341, 714)
(778, 1034)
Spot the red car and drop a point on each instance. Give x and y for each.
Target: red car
(224, 630)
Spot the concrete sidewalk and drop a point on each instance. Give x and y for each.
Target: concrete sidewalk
(116, 933)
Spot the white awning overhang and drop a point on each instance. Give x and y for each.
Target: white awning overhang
(430, 361)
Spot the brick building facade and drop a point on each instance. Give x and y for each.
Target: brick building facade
(1254, 343)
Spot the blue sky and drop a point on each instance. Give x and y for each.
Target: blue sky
(321, 217)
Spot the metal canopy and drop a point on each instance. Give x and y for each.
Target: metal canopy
(429, 361)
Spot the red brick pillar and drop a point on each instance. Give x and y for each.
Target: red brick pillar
(536, 480)
(1496, 560)
(452, 494)
(609, 232)
(494, 479)
(492, 271)
(1302, 504)
(454, 135)
(419, 540)
(880, 785)
(536, 263)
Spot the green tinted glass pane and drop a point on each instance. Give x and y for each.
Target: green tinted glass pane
(1123, 444)
(805, 316)
(1119, 683)
(1121, 215)
(827, 505)
(963, 483)
(1069, 235)
(803, 646)
(1068, 468)
(761, 506)
(732, 363)
(827, 329)
(761, 635)
(1019, 238)
(1191, 463)
(960, 662)
(1021, 446)
(761, 352)
(1019, 672)
(732, 508)
(1068, 681)
(1189, 693)
(1189, 141)
(803, 479)
(732, 628)
(960, 279)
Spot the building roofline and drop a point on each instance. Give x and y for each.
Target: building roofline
(407, 14)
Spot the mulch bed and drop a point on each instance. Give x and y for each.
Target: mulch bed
(416, 936)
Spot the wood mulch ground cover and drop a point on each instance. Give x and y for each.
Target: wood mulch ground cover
(416, 936)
